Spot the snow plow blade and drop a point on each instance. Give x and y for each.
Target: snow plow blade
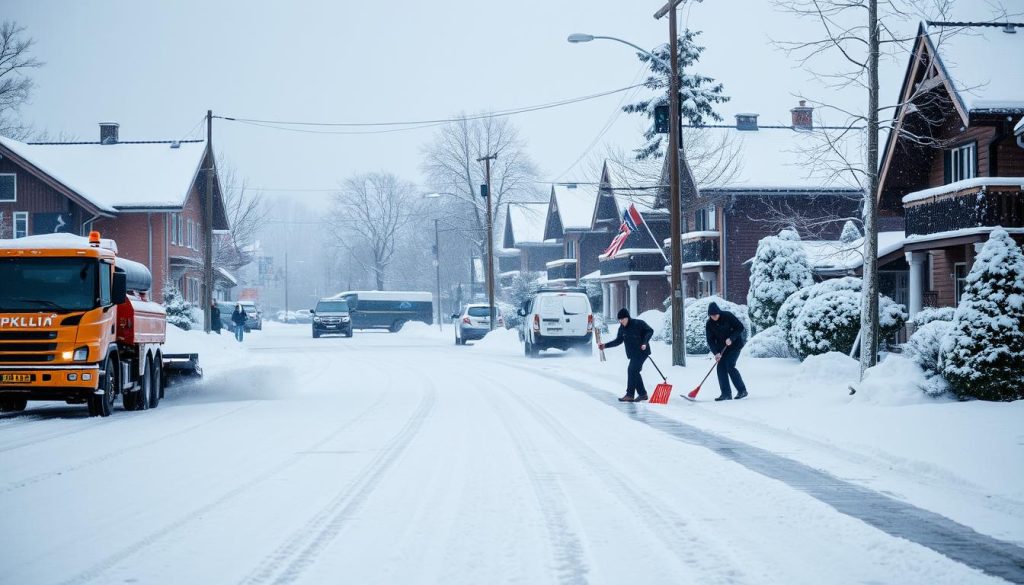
(180, 366)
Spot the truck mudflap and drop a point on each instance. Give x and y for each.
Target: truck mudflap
(181, 366)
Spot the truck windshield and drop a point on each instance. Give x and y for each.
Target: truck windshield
(47, 284)
(332, 307)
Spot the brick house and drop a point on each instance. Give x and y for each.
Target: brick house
(524, 249)
(953, 168)
(569, 221)
(148, 196)
(770, 186)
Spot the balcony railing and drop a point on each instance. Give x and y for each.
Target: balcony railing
(964, 205)
(703, 248)
(562, 269)
(634, 263)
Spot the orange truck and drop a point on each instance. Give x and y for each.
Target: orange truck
(76, 325)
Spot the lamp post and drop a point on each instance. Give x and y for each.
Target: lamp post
(676, 152)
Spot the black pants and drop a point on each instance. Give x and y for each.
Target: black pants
(727, 370)
(634, 381)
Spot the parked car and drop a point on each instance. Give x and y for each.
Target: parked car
(331, 317)
(557, 319)
(302, 316)
(253, 315)
(388, 309)
(474, 322)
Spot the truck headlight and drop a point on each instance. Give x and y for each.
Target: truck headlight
(316, 319)
(81, 354)
(344, 319)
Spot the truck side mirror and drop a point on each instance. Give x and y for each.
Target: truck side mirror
(119, 293)
(312, 311)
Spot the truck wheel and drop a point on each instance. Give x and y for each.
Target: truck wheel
(103, 404)
(155, 373)
(348, 333)
(316, 335)
(13, 404)
(397, 325)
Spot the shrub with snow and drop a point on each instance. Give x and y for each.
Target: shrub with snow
(829, 319)
(984, 350)
(697, 316)
(780, 268)
(179, 311)
(770, 343)
(850, 233)
(792, 306)
(929, 314)
(925, 348)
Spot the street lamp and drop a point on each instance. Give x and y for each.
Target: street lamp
(437, 256)
(675, 151)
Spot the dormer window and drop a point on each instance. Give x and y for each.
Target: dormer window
(961, 162)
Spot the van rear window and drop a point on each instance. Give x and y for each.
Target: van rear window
(576, 305)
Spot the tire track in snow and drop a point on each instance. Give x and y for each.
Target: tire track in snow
(652, 510)
(570, 557)
(129, 551)
(305, 544)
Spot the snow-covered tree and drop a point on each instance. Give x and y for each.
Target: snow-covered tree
(925, 348)
(769, 343)
(523, 285)
(179, 311)
(983, 353)
(850, 233)
(929, 314)
(697, 318)
(792, 306)
(697, 93)
(780, 268)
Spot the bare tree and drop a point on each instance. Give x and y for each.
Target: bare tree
(247, 211)
(373, 212)
(856, 35)
(15, 85)
(450, 164)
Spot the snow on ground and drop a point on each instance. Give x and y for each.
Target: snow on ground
(402, 458)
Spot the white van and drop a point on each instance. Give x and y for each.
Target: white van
(557, 319)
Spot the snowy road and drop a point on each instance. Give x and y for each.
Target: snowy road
(394, 459)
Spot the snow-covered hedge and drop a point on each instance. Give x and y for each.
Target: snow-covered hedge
(826, 316)
(779, 269)
(929, 314)
(770, 343)
(984, 350)
(697, 316)
(664, 333)
(179, 311)
(925, 348)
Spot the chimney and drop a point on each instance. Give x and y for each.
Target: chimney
(803, 116)
(746, 122)
(108, 132)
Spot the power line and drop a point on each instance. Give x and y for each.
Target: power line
(416, 124)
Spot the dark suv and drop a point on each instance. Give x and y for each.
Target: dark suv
(331, 317)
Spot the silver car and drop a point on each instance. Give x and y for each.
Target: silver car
(474, 323)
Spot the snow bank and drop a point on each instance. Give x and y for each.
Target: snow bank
(654, 318)
(826, 375)
(896, 381)
(500, 341)
(419, 330)
(770, 343)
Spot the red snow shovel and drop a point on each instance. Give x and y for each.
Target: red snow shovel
(662, 391)
(692, 396)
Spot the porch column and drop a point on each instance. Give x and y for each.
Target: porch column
(633, 286)
(606, 300)
(915, 294)
(613, 294)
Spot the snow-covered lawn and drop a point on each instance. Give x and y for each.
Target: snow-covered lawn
(401, 458)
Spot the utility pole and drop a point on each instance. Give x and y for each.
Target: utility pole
(490, 235)
(208, 220)
(437, 265)
(286, 283)
(675, 152)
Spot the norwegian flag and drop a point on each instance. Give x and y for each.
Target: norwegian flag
(631, 221)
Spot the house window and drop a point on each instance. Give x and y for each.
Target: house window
(704, 219)
(960, 278)
(705, 288)
(20, 224)
(570, 251)
(8, 187)
(180, 228)
(962, 162)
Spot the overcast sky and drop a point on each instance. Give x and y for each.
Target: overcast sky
(156, 67)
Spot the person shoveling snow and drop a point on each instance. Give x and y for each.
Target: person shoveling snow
(725, 338)
(636, 334)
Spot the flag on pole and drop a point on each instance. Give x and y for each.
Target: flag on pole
(631, 222)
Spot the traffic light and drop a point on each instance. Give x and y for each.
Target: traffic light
(483, 190)
(661, 119)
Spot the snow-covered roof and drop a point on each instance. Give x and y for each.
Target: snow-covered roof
(970, 56)
(965, 184)
(834, 255)
(527, 221)
(58, 241)
(119, 176)
(774, 159)
(1019, 128)
(575, 205)
(227, 275)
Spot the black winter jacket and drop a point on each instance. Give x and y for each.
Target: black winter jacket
(238, 317)
(634, 334)
(727, 327)
(215, 322)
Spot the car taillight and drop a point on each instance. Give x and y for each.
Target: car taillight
(590, 322)
(467, 321)
(536, 323)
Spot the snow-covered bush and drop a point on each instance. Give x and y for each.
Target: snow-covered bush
(829, 319)
(664, 333)
(780, 268)
(984, 350)
(925, 348)
(179, 311)
(522, 286)
(770, 343)
(929, 314)
(792, 306)
(697, 316)
(850, 233)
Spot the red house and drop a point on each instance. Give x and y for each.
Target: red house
(148, 196)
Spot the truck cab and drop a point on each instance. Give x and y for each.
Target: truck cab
(76, 325)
